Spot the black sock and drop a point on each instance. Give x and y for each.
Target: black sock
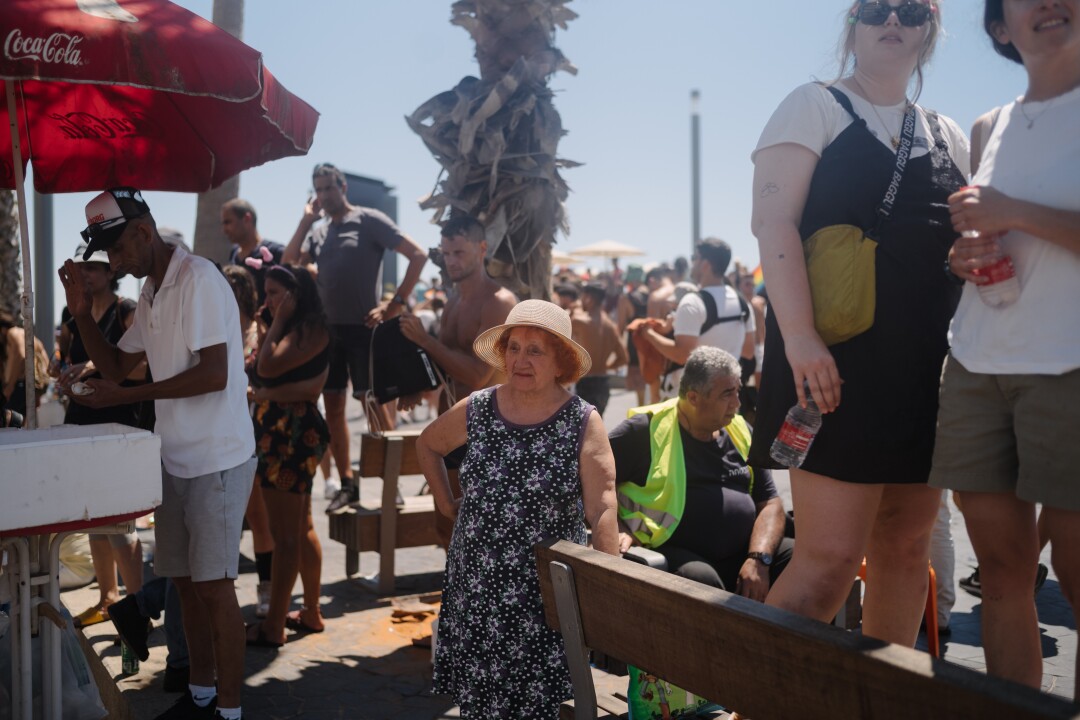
(263, 562)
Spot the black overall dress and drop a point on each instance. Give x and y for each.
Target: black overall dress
(883, 429)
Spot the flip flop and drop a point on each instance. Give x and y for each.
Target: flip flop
(90, 616)
(294, 622)
(260, 639)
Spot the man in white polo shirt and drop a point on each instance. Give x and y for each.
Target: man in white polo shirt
(187, 326)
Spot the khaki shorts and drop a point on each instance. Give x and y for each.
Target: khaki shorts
(1009, 433)
(197, 527)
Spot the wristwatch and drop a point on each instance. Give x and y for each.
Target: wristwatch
(397, 300)
(762, 557)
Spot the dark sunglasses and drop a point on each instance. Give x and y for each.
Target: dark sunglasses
(95, 229)
(910, 14)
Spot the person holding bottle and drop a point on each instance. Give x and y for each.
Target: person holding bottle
(828, 156)
(1008, 393)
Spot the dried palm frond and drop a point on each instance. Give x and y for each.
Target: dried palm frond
(497, 136)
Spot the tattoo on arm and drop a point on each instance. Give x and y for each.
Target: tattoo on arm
(781, 256)
(770, 188)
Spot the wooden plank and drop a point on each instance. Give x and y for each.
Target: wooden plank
(373, 453)
(359, 529)
(389, 515)
(766, 662)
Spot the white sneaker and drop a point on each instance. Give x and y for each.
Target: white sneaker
(262, 599)
(331, 488)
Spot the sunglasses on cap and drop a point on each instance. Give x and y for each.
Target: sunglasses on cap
(97, 229)
(910, 14)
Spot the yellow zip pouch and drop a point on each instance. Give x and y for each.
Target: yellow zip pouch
(840, 263)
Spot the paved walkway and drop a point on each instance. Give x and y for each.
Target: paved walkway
(365, 665)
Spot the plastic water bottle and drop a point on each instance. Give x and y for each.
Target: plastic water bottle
(1002, 287)
(797, 433)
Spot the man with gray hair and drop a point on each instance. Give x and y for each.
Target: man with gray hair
(187, 327)
(686, 491)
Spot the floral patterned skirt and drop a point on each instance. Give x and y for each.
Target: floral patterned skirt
(290, 439)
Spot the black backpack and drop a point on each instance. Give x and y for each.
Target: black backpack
(397, 366)
(712, 318)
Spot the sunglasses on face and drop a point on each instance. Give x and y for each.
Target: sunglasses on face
(910, 14)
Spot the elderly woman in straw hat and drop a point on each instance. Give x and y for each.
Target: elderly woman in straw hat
(538, 465)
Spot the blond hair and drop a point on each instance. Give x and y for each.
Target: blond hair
(846, 46)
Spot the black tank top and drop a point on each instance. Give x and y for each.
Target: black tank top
(112, 327)
(312, 368)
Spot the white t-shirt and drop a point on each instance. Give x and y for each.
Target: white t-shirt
(194, 309)
(810, 116)
(1040, 332)
(690, 315)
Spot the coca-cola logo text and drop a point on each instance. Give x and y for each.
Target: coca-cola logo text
(86, 126)
(59, 48)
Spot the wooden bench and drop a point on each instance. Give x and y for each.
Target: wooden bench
(764, 662)
(396, 522)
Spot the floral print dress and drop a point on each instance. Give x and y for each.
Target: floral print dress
(496, 656)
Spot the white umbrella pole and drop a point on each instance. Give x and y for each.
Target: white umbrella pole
(28, 282)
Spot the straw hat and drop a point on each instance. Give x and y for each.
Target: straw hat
(532, 313)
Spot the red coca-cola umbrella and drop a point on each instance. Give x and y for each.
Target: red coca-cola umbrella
(133, 92)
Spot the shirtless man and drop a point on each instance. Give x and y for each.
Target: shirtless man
(476, 303)
(596, 332)
(660, 304)
(757, 305)
(661, 292)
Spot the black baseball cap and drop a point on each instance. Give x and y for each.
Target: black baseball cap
(108, 214)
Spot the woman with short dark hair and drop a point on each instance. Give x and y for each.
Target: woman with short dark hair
(1009, 411)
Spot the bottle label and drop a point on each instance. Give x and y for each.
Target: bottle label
(795, 437)
(998, 272)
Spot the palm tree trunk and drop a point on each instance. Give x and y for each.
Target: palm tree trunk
(10, 277)
(209, 240)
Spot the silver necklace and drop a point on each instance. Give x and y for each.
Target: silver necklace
(894, 139)
(1031, 120)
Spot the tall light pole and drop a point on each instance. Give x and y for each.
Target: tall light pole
(695, 170)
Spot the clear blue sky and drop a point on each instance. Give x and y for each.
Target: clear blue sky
(365, 65)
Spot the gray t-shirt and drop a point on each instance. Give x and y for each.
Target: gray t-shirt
(349, 257)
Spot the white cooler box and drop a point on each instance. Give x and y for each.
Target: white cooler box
(73, 473)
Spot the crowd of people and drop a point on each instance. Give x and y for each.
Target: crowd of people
(243, 371)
